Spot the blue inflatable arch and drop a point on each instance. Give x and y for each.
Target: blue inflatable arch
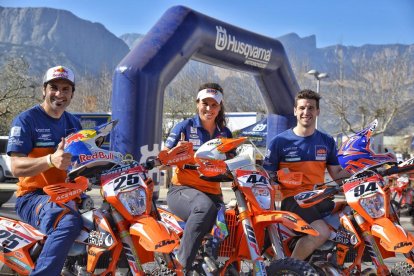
(182, 34)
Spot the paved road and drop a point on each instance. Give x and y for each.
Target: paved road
(8, 208)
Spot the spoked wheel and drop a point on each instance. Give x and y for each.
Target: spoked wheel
(402, 269)
(287, 266)
(290, 266)
(5, 270)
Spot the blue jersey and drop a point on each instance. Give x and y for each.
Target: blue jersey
(197, 135)
(309, 155)
(34, 133)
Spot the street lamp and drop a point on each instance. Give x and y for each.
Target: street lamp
(318, 76)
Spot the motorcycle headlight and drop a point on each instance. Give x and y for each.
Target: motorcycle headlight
(134, 201)
(373, 205)
(262, 195)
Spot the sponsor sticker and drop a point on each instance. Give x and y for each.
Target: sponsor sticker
(15, 131)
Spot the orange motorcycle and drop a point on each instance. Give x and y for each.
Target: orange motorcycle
(119, 238)
(245, 240)
(364, 222)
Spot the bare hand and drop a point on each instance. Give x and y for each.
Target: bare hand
(61, 159)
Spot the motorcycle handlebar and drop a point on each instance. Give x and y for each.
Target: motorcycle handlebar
(190, 167)
(397, 170)
(150, 164)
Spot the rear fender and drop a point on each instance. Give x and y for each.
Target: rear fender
(392, 236)
(154, 236)
(288, 219)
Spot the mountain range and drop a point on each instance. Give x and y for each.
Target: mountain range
(46, 37)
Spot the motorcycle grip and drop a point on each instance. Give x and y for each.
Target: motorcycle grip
(397, 170)
(190, 167)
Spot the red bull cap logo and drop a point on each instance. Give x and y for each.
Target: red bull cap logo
(59, 72)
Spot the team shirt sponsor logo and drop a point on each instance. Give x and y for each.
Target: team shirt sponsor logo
(170, 139)
(193, 130)
(320, 152)
(196, 142)
(44, 144)
(45, 137)
(292, 154)
(16, 131)
(194, 136)
(42, 130)
(15, 141)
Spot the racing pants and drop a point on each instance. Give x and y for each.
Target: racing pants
(61, 224)
(199, 211)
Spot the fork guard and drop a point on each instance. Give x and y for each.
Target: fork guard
(392, 236)
(288, 219)
(153, 235)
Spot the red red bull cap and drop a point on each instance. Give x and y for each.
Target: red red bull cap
(59, 72)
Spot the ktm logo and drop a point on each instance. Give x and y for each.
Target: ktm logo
(164, 243)
(402, 244)
(321, 151)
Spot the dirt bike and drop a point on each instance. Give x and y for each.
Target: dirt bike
(119, 237)
(365, 221)
(245, 239)
(402, 195)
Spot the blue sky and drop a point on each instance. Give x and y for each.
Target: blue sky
(348, 22)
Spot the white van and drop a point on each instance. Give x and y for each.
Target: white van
(5, 170)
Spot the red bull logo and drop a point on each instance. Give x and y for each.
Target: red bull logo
(96, 155)
(60, 72)
(79, 136)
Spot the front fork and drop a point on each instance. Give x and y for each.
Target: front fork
(276, 241)
(372, 247)
(258, 264)
(128, 245)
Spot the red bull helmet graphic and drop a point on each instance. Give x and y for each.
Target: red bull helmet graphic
(87, 157)
(356, 153)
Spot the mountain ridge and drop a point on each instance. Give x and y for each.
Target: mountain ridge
(46, 37)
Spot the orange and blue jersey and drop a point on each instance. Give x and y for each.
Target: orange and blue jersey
(309, 155)
(34, 133)
(197, 135)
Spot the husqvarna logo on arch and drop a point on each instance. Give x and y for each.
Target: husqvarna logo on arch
(221, 38)
(255, 56)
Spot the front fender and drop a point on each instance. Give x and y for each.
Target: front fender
(288, 219)
(153, 235)
(392, 236)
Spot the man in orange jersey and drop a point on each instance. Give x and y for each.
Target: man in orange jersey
(36, 144)
(305, 149)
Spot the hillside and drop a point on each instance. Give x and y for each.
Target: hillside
(46, 37)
